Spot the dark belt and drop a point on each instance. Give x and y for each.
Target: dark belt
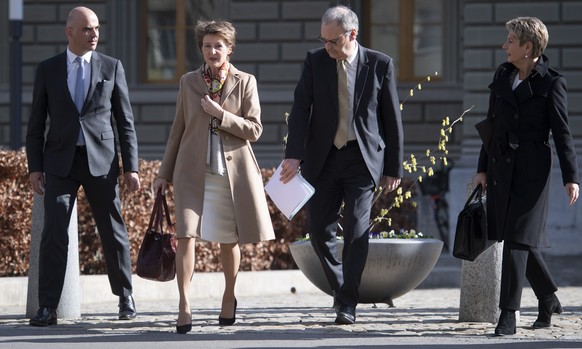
(349, 144)
(515, 138)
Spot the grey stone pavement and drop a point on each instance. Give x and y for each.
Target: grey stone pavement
(270, 315)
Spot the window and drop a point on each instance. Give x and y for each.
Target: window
(169, 46)
(410, 31)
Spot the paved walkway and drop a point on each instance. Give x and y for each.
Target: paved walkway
(426, 317)
(281, 309)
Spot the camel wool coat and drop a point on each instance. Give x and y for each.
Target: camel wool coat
(184, 162)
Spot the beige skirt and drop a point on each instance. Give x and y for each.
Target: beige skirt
(218, 223)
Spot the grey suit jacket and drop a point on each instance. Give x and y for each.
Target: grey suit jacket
(106, 106)
(377, 120)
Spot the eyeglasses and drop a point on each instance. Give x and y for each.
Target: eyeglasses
(334, 41)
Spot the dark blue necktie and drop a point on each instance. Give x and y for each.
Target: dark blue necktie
(80, 94)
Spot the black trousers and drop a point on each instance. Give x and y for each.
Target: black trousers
(59, 199)
(344, 178)
(522, 262)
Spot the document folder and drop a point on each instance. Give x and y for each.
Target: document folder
(289, 197)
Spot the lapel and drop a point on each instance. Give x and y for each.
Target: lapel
(523, 91)
(95, 75)
(361, 76)
(330, 74)
(231, 82)
(61, 73)
(199, 83)
(502, 85)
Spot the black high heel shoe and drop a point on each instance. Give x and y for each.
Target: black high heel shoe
(546, 307)
(226, 321)
(506, 325)
(182, 329)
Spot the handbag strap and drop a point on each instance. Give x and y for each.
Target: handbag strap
(165, 203)
(154, 217)
(477, 191)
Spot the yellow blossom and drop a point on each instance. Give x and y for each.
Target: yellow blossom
(417, 166)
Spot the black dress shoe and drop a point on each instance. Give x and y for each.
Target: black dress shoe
(227, 321)
(346, 315)
(506, 325)
(126, 308)
(44, 317)
(546, 307)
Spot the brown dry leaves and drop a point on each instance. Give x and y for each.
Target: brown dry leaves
(16, 222)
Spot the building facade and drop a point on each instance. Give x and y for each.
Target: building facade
(455, 42)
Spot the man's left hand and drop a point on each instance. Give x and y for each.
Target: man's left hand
(390, 183)
(131, 180)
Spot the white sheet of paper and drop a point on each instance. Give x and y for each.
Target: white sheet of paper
(289, 197)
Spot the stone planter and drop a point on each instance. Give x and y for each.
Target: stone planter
(393, 267)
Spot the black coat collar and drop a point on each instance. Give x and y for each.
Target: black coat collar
(503, 82)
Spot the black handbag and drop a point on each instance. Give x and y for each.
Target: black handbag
(157, 255)
(471, 232)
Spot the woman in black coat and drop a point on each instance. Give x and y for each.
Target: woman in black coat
(528, 101)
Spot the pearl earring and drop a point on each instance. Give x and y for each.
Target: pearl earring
(526, 55)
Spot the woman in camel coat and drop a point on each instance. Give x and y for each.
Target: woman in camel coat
(218, 188)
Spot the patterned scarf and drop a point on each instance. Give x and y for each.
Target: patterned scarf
(215, 83)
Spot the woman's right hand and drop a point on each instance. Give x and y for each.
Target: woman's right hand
(480, 178)
(160, 184)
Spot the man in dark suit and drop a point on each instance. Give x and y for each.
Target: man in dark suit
(345, 130)
(84, 94)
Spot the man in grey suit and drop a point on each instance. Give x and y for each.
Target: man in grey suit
(84, 95)
(345, 131)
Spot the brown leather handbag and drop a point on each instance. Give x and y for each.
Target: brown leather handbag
(157, 255)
